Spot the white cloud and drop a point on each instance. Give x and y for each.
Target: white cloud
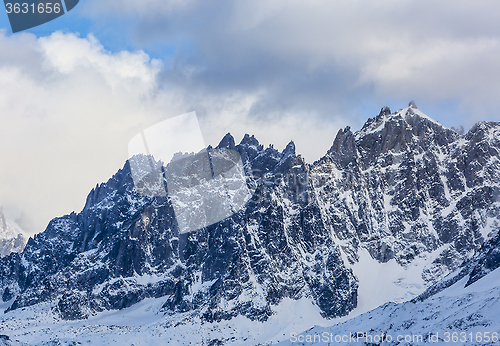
(66, 115)
(441, 68)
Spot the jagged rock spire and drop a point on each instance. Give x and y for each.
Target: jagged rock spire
(290, 149)
(249, 140)
(412, 104)
(385, 111)
(343, 151)
(227, 142)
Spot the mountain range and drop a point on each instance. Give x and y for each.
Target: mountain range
(400, 211)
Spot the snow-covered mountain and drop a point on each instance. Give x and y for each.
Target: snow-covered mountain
(388, 212)
(12, 237)
(409, 192)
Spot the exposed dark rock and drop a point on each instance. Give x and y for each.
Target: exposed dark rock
(227, 142)
(384, 111)
(401, 186)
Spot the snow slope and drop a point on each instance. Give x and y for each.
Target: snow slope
(456, 312)
(145, 324)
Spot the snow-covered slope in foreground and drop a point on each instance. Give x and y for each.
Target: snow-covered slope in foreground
(145, 324)
(462, 309)
(456, 313)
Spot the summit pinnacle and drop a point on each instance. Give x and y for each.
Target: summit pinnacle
(385, 111)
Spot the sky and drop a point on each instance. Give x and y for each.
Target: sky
(76, 90)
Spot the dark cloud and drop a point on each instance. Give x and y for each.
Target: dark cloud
(326, 57)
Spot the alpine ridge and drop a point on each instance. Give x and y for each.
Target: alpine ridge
(403, 192)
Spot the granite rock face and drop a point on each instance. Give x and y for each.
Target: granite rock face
(404, 184)
(401, 186)
(124, 247)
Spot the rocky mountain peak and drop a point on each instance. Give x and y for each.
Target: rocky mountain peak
(227, 142)
(101, 258)
(341, 139)
(411, 161)
(404, 119)
(384, 111)
(289, 149)
(412, 104)
(406, 129)
(249, 140)
(343, 151)
(483, 130)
